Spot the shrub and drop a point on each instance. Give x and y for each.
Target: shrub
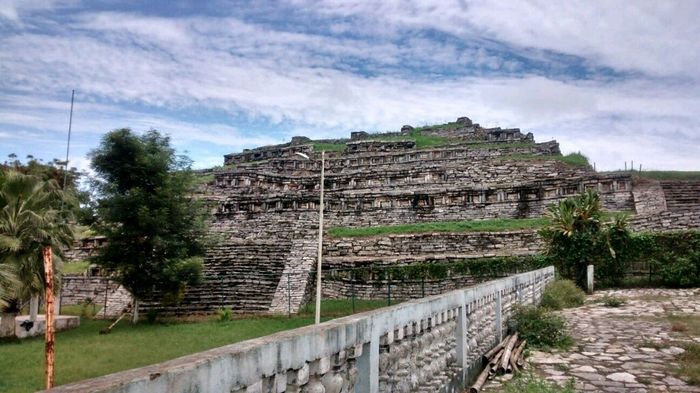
(225, 314)
(152, 315)
(540, 327)
(679, 271)
(612, 301)
(87, 308)
(562, 294)
(531, 383)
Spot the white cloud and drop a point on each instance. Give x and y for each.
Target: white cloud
(294, 82)
(659, 38)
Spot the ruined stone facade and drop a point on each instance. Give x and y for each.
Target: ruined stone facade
(265, 206)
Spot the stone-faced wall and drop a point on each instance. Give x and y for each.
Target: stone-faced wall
(666, 221)
(428, 345)
(649, 197)
(77, 289)
(353, 251)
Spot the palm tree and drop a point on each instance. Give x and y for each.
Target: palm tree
(30, 219)
(573, 236)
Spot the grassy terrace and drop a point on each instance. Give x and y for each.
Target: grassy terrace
(75, 267)
(84, 353)
(497, 225)
(329, 146)
(575, 159)
(670, 175)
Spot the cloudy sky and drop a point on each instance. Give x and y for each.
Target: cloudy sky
(617, 80)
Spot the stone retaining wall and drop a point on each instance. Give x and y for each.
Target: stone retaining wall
(666, 221)
(77, 289)
(429, 345)
(472, 244)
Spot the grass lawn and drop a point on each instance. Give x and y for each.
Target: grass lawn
(574, 159)
(446, 226)
(75, 267)
(84, 353)
(329, 146)
(670, 175)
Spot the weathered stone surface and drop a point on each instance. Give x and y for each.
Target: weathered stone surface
(610, 356)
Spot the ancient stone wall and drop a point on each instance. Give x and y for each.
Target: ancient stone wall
(681, 195)
(666, 221)
(83, 248)
(77, 289)
(649, 197)
(432, 344)
(354, 251)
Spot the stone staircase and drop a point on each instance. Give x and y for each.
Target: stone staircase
(681, 196)
(241, 276)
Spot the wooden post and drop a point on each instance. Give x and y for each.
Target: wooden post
(589, 279)
(48, 272)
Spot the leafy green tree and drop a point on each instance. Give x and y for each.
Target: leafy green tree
(578, 237)
(152, 224)
(30, 219)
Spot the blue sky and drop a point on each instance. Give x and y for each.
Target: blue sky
(619, 81)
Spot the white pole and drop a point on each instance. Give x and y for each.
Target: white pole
(320, 245)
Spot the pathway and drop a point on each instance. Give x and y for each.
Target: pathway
(631, 348)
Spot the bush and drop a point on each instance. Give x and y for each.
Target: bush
(562, 294)
(678, 271)
(612, 301)
(225, 314)
(152, 315)
(540, 327)
(530, 383)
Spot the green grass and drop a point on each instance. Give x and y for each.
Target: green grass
(83, 231)
(83, 353)
(329, 146)
(562, 294)
(670, 175)
(497, 225)
(690, 323)
(689, 367)
(574, 159)
(204, 179)
(531, 383)
(75, 267)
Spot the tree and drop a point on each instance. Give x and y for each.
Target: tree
(30, 220)
(578, 236)
(152, 225)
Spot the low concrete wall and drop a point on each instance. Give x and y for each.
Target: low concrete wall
(432, 344)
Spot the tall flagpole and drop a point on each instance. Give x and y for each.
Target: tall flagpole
(70, 125)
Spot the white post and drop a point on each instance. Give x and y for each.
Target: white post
(320, 244)
(589, 279)
(57, 306)
(134, 312)
(33, 307)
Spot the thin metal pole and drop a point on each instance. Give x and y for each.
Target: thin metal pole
(388, 286)
(104, 310)
(70, 126)
(320, 244)
(289, 297)
(352, 290)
